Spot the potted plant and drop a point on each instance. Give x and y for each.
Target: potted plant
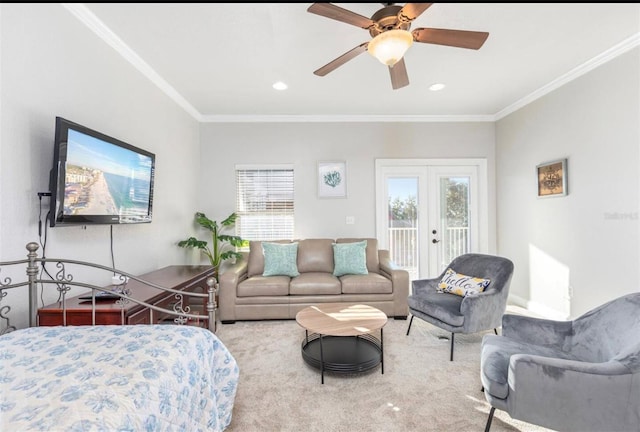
(220, 242)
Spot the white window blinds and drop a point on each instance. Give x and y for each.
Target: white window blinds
(264, 202)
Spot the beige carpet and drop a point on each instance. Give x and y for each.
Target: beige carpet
(420, 390)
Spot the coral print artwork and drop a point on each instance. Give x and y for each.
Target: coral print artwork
(332, 180)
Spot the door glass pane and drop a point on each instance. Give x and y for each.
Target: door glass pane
(403, 223)
(454, 218)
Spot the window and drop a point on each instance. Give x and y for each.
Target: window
(264, 202)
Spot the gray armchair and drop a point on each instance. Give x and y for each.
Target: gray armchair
(580, 375)
(470, 314)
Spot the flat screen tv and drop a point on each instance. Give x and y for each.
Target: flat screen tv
(98, 179)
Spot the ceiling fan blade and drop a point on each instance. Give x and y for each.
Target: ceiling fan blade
(334, 64)
(411, 11)
(337, 13)
(399, 77)
(454, 38)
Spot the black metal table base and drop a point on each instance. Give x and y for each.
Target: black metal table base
(343, 354)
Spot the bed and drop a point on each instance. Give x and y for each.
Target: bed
(154, 377)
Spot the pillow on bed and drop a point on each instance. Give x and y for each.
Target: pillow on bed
(280, 259)
(462, 285)
(350, 258)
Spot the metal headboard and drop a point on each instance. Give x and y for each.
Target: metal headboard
(64, 281)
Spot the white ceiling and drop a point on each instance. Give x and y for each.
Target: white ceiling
(219, 60)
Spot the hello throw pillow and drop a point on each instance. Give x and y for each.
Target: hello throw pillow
(462, 285)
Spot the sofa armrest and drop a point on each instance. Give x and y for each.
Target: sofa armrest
(399, 279)
(229, 281)
(386, 263)
(537, 331)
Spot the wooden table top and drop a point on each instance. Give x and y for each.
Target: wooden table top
(174, 276)
(340, 319)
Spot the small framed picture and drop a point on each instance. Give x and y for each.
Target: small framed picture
(332, 179)
(552, 178)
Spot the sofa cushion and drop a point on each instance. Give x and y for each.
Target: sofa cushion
(373, 262)
(371, 283)
(315, 255)
(280, 259)
(264, 286)
(349, 258)
(255, 262)
(462, 285)
(312, 283)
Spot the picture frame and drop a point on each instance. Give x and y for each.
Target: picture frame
(332, 179)
(552, 178)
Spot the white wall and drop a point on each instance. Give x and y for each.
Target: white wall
(359, 144)
(588, 240)
(53, 65)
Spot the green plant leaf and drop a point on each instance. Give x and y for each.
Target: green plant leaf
(216, 254)
(230, 254)
(230, 220)
(205, 222)
(233, 240)
(193, 242)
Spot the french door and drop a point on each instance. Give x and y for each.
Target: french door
(429, 211)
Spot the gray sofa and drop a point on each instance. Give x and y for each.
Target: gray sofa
(245, 294)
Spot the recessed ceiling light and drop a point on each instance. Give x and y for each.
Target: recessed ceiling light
(436, 87)
(280, 86)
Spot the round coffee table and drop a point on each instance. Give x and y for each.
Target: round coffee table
(338, 337)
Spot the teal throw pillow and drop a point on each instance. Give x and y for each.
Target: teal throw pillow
(350, 258)
(280, 259)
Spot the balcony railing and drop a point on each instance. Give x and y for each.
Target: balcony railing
(403, 247)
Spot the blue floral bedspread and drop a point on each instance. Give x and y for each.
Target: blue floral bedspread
(108, 378)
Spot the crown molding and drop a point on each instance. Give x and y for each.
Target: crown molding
(87, 17)
(344, 118)
(99, 28)
(588, 66)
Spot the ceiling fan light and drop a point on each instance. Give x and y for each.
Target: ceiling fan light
(390, 46)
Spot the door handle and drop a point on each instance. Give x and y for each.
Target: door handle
(434, 241)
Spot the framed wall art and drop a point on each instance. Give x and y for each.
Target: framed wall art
(552, 178)
(332, 179)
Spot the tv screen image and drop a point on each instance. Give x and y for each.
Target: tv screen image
(97, 179)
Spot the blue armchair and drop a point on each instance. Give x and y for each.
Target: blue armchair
(580, 375)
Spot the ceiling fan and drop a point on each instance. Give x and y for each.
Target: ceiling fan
(389, 28)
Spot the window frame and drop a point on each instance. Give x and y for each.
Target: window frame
(281, 212)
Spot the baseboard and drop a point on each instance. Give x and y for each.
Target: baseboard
(537, 308)
(517, 300)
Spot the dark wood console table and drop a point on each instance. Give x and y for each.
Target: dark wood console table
(177, 277)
